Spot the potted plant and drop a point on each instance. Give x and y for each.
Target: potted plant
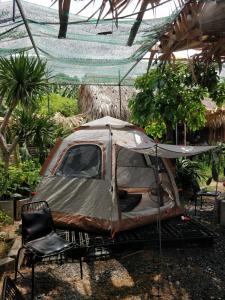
(188, 174)
(17, 187)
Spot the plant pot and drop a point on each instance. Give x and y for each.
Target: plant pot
(8, 207)
(17, 207)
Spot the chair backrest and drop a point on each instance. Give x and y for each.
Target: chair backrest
(36, 220)
(10, 290)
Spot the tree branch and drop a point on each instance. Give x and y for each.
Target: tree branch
(13, 145)
(3, 145)
(6, 118)
(1, 100)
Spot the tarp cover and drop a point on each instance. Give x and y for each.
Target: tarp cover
(138, 141)
(172, 151)
(87, 55)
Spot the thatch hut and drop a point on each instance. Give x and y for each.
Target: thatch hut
(215, 123)
(71, 122)
(200, 25)
(99, 101)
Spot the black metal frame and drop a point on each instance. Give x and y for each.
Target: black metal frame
(176, 232)
(10, 290)
(200, 194)
(33, 255)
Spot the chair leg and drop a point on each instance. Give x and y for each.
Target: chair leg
(17, 263)
(81, 268)
(61, 258)
(32, 284)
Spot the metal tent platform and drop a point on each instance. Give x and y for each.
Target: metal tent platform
(174, 232)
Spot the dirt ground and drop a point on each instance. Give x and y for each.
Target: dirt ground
(7, 236)
(181, 273)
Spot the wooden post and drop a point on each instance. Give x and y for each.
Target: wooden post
(120, 96)
(176, 134)
(27, 27)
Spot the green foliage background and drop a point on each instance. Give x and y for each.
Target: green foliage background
(20, 179)
(172, 95)
(54, 103)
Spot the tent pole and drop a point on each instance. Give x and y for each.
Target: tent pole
(159, 213)
(120, 96)
(159, 199)
(48, 103)
(137, 61)
(176, 134)
(112, 188)
(185, 134)
(27, 27)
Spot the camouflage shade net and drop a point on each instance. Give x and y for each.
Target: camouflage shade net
(90, 54)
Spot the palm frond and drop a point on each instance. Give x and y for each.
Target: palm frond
(23, 79)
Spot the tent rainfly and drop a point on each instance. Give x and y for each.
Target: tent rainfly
(106, 176)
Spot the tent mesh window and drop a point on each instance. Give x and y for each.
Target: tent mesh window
(133, 171)
(127, 158)
(83, 161)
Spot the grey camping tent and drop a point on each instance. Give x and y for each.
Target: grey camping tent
(105, 176)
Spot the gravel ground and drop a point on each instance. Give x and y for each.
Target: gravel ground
(178, 274)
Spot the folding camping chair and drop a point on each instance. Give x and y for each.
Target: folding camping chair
(39, 238)
(10, 290)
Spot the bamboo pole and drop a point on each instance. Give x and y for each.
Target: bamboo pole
(27, 27)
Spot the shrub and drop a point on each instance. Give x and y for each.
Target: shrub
(21, 180)
(39, 131)
(5, 219)
(57, 103)
(188, 174)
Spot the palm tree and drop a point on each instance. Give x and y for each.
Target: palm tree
(40, 131)
(23, 80)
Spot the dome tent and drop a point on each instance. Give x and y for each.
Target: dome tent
(104, 177)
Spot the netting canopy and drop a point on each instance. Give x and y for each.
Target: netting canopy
(90, 54)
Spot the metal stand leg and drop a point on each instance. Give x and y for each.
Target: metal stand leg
(81, 268)
(196, 199)
(32, 284)
(17, 263)
(201, 201)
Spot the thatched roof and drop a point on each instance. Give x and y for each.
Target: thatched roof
(100, 101)
(215, 115)
(201, 26)
(72, 122)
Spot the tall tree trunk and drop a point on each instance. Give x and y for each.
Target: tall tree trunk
(170, 132)
(185, 134)
(6, 158)
(5, 149)
(1, 100)
(7, 117)
(64, 9)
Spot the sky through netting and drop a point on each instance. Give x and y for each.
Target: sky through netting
(90, 54)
